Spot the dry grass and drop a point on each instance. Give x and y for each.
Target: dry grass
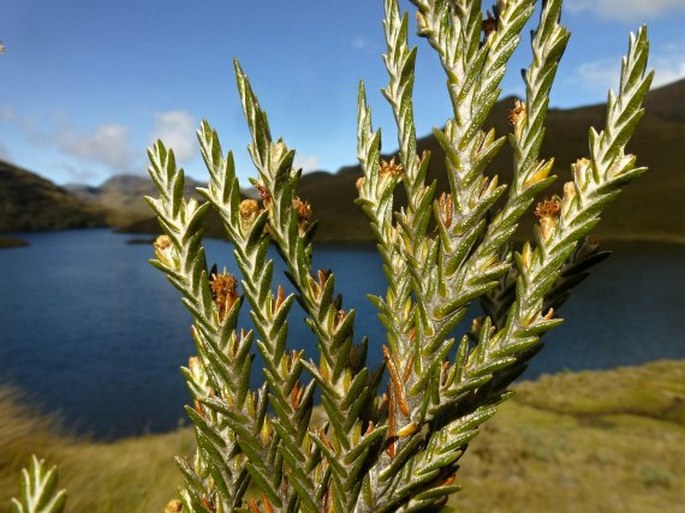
(126, 476)
(605, 442)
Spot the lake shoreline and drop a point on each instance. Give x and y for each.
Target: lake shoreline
(144, 237)
(11, 242)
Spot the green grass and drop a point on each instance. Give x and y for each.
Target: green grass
(611, 441)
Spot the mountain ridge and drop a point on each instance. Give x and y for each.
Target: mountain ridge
(29, 202)
(658, 143)
(122, 197)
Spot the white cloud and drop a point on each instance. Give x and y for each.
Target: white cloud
(668, 67)
(308, 163)
(602, 75)
(630, 11)
(109, 144)
(176, 128)
(78, 175)
(365, 44)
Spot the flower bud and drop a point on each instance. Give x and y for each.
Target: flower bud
(248, 209)
(174, 506)
(517, 117)
(278, 151)
(197, 372)
(165, 251)
(581, 170)
(570, 194)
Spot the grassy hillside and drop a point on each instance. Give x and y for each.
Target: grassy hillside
(29, 202)
(611, 441)
(651, 209)
(607, 442)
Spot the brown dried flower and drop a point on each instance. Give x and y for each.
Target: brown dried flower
(549, 207)
(264, 194)
(303, 209)
(296, 395)
(489, 25)
(446, 208)
(518, 113)
(547, 211)
(223, 288)
(391, 168)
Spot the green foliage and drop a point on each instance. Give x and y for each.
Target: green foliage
(258, 450)
(39, 492)
(397, 451)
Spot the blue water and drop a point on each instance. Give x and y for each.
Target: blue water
(89, 329)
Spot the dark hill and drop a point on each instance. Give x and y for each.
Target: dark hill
(667, 102)
(29, 202)
(651, 209)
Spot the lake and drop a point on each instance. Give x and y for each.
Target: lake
(89, 329)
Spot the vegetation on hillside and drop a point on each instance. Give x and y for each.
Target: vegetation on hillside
(29, 202)
(122, 197)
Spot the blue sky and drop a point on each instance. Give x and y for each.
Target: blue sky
(86, 86)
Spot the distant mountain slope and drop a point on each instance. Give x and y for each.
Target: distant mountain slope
(653, 208)
(122, 197)
(667, 102)
(29, 202)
